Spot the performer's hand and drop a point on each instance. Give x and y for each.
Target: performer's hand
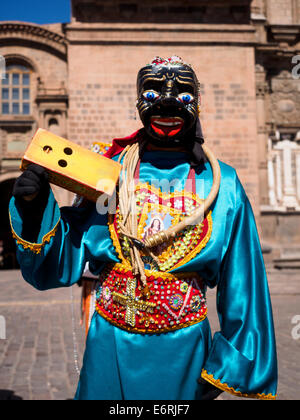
(31, 191)
(210, 392)
(32, 182)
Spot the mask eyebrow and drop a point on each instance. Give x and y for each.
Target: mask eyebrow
(188, 87)
(154, 84)
(187, 80)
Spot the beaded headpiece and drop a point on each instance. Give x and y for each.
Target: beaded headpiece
(171, 61)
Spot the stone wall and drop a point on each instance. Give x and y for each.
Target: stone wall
(102, 93)
(283, 12)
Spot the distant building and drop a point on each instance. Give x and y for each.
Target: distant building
(78, 80)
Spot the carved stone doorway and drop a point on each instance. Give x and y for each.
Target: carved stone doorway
(8, 259)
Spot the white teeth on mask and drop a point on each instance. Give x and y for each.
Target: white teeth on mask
(167, 124)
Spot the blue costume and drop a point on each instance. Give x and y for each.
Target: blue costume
(165, 365)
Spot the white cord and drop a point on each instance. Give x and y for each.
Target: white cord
(75, 342)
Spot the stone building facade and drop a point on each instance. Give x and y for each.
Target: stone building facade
(79, 81)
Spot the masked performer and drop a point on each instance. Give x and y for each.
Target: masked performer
(149, 337)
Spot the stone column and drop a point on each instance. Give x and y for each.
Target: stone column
(272, 181)
(289, 200)
(262, 135)
(298, 175)
(278, 177)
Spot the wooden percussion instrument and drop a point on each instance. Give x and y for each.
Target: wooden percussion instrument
(71, 166)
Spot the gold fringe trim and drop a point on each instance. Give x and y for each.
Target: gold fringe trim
(224, 387)
(169, 277)
(116, 242)
(148, 331)
(35, 248)
(199, 247)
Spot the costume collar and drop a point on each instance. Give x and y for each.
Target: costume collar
(197, 155)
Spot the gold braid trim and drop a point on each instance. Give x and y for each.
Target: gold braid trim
(138, 330)
(200, 245)
(116, 242)
(224, 387)
(123, 268)
(36, 248)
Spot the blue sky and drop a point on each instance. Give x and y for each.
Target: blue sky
(37, 11)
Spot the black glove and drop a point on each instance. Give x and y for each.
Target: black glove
(34, 181)
(210, 392)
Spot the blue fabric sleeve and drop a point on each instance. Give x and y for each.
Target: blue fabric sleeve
(242, 359)
(59, 256)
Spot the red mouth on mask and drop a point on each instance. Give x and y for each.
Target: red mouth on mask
(166, 126)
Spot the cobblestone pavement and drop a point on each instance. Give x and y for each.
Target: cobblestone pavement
(37, 357)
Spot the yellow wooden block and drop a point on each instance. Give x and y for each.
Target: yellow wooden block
(71, 166)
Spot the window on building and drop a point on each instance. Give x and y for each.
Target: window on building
(15, 91)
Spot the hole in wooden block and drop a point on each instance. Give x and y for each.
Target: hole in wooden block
(63, 163)
(47, 149)
(68, 151)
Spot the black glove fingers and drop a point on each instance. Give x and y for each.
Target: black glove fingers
(27, 184)
(39, 171)
(34, 180)
(30, 190)
(22, 184)
(29, 176)
(24, 191)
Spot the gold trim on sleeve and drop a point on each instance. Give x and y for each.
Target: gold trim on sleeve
(224, 387)
(36, 248)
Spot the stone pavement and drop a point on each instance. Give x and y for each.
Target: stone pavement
(37, 357)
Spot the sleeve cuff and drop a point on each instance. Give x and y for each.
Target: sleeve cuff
(229, 370)
(35, 248)
(225, 387)
(51, 221)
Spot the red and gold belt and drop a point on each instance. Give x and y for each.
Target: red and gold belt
(176, 300)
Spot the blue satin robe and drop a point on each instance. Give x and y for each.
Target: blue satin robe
(241, 357)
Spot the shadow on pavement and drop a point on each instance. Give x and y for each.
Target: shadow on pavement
(6, 395)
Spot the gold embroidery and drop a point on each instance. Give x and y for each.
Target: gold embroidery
(169, 277)
(138, 330)
(132, 303)
(121, 302)
(36, 248)
(116, 241)
(169, 259)
(224, 387)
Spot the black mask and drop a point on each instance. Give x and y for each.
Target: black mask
(168, 99)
